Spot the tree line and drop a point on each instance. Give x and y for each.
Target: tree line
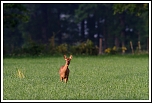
(48, 27)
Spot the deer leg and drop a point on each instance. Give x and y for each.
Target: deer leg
(61, 79)
(66, 79)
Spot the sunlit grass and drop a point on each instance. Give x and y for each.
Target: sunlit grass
(91, 78)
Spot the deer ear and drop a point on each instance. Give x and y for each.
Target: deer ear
(70, 57)
(64, 56)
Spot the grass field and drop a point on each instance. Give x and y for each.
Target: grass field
(91, 78)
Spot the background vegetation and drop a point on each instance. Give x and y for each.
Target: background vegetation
(50, 28)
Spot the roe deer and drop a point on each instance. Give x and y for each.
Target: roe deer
(64, 70)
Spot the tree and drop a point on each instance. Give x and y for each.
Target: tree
(13, 14)
(100, 21)
(113, 27)
(137, 8)
(141, 11)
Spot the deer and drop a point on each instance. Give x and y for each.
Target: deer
(64, 70)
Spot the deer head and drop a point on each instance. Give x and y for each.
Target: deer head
(67, 59)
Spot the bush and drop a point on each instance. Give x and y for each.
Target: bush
(63, 48)
(115, 50)
(33, 49)
(86, 47)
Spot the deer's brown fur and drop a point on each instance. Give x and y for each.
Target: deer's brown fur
(64, 70)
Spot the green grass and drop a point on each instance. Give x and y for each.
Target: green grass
(91, 78)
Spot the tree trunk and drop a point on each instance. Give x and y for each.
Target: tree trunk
(91, 27)
(122, 32)
(82, 30)
(44, 23)
(59, 33)
(100, 46)
(148, 44)
(116, 42)
(105, 37)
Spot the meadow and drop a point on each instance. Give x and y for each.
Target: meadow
(91, 78)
